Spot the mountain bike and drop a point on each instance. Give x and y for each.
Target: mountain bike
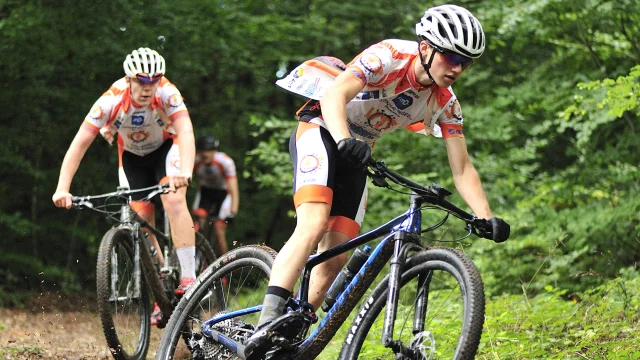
(127, 269)
(432, 297)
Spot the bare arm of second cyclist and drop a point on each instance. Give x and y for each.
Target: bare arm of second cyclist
(70, 164)
(232, 184)
(334, 104)
(466, 178)
(186, 145)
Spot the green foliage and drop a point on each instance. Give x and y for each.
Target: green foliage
(21, 274)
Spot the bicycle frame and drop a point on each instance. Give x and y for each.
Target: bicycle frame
(134, 223)
(399, 236)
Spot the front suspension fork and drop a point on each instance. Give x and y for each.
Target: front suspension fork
(400, 252)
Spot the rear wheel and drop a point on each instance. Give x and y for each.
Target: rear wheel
(447, 286)
(123, 304)
(238, 280)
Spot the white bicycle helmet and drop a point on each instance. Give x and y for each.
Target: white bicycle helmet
(451, 27)
(143, 60)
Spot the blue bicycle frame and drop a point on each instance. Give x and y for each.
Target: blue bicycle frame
(396, 230)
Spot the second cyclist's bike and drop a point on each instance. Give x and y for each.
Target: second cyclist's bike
(429, 304)
(128, 271)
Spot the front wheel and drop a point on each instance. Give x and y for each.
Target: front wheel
(440, 311)
(123, 298)
(237, 280)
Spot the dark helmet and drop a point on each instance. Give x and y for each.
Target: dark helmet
(207, 142)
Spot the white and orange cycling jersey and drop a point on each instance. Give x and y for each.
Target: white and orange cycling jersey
(215, 174)
(391, 98)
(140, 130)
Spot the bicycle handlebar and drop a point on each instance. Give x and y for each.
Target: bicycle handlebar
(433, 194)
(86, 201)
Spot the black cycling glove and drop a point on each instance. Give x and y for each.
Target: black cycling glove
(500, 230)
(355, 151)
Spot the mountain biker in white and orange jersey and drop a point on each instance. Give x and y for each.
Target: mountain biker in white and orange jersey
(218, 195)
(391, 85)
(155, 143)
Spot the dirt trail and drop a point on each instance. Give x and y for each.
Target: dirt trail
(50, 329)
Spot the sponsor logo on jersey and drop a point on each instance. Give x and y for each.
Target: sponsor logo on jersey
(137, 120)
(371, 63)
(456, 111)
(301, 85)
(312, 88)
(175, 163)
(310, 163)
(138, 136)
(453, 131)
(175, 100)
(368, 95)
(403, 101)
(298, 73)
(96, 113)
(118, 123)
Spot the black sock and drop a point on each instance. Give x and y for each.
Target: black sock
(274, 303)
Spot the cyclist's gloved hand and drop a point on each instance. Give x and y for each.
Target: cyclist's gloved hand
(355, 151)
(500, 229)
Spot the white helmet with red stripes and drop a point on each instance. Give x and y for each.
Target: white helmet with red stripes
(454, 28)
(143, 61)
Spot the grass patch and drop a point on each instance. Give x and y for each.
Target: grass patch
(602, 323)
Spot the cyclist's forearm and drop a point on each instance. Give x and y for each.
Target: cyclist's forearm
(470, 188)
(234, 191)
(334, 115)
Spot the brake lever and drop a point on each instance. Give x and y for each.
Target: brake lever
(81, 203)
(378, 180)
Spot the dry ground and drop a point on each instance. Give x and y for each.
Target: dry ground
(57, 327)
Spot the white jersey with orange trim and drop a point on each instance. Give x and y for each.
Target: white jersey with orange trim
(391, 98)
(215, 174)
(140, 130)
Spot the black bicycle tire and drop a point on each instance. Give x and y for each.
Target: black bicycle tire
(171, 335)
(469, 280)
(103, 269)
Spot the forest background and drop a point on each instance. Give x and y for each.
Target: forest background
(551, 121)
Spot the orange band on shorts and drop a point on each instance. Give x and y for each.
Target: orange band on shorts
(200, 212)
(344, 225)
(313, 193)
(142, 207)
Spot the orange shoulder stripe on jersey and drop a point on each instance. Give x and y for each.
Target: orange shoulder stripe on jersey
(313, 193)
(90, 127)
(415, 127)
(179, 114)
(391, 77)
(451, 130)
(344, 225)
(322, 66)
(397, 55)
